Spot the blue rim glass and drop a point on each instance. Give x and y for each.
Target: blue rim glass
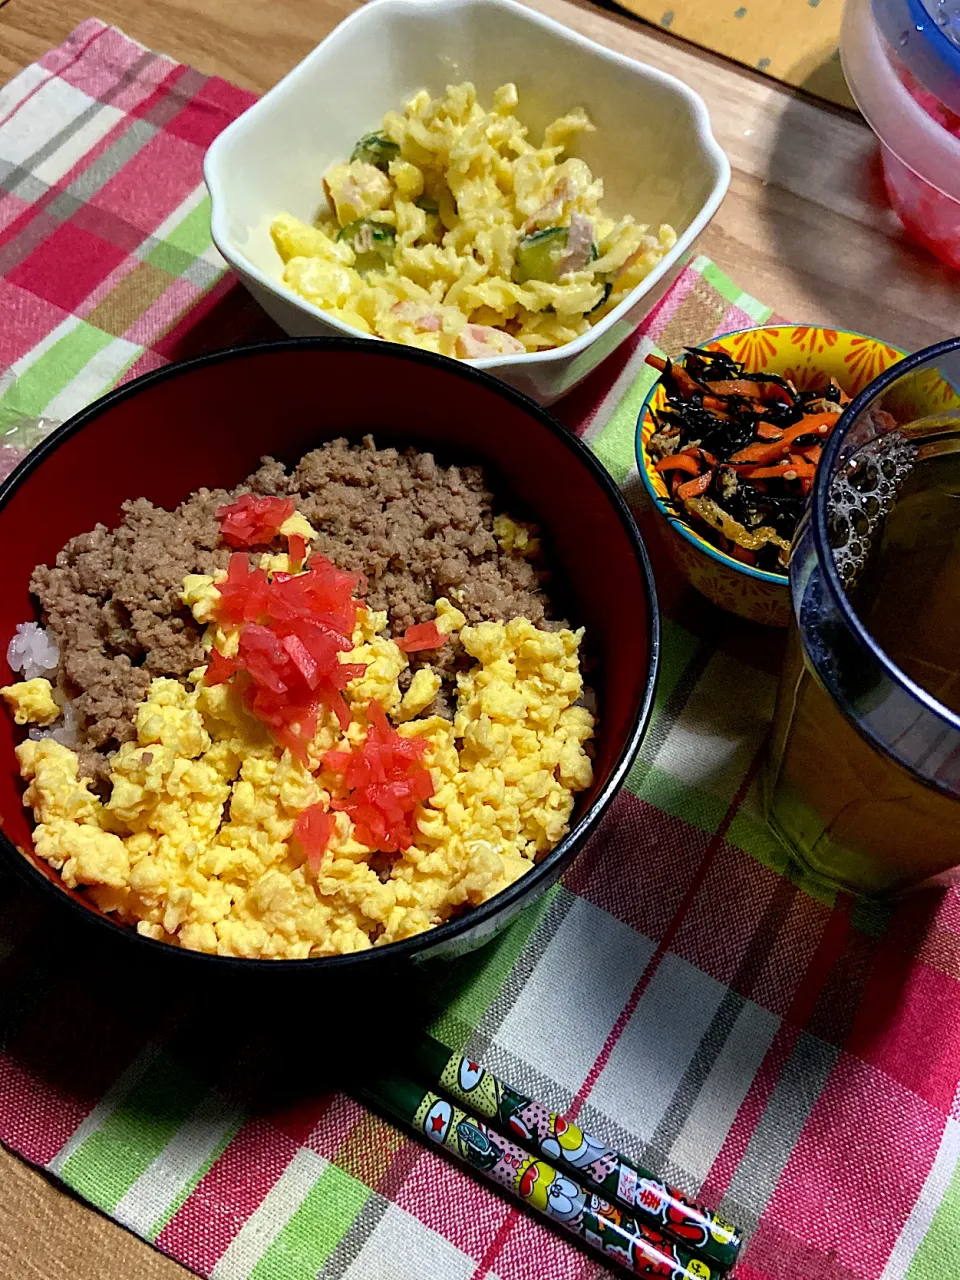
(897, 688)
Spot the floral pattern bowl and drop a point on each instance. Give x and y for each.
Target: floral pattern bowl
(809, 356)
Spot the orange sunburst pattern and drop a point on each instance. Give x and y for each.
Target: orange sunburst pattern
(813, 339)
(754, 348)
(865, 359)
(805, 377)
(935, 393)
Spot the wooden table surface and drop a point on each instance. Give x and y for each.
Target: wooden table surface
(804, 228)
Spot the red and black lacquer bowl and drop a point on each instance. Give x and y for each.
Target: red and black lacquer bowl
(209, 421)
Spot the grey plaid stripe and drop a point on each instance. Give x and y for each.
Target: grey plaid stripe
(53, 145)
(106, 166)
(40, 226)
(842, 993)
(527, 1079)
(771, 1143)
(610, 1131)
(348, 1249)
(159, 115)
(634, 492)
(656, 1151)
(15, 180)
(519, 975)
(110, 227)
(669, 714)
(73, 203)
(202, 274)
(710, 1047)
(167, 107)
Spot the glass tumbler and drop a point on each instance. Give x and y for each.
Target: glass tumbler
(862, 776)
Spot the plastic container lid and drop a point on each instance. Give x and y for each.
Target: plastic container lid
(901, 124)
(917, 30)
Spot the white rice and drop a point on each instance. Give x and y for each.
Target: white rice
(31, 652)
(588, 699)
(64, 731)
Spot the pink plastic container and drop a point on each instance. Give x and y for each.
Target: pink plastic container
(906, 88)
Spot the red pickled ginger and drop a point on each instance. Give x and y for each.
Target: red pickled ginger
(252, 521)
(293, 629)
(422, 635)
(385, 779)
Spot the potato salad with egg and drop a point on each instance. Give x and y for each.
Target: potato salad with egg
(287, 799)
(450, 230)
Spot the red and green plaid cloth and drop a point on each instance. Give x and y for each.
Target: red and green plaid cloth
(791, 1059)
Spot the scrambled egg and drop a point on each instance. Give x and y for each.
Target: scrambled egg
(31, 702)
(194, 845)
(452, 232)
(516, 538)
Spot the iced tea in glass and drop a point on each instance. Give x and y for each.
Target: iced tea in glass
(862, 778)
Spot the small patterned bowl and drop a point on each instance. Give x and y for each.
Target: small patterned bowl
(808, 356)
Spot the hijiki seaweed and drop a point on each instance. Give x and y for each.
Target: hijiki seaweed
(738, 451)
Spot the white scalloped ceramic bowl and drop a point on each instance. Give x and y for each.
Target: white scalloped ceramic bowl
(653, 147)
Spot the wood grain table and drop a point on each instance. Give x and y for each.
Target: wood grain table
(804, 228)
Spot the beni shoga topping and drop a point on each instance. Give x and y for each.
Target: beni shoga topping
(320, 781)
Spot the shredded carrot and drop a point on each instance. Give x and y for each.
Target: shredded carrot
(678, 462)
(693, 488)
(760, 392)
(716, 407)
(789, 470)
(819, 424)
(815, 422)
(684, 383)
(759, 454)
(764, 453)
(767, 431)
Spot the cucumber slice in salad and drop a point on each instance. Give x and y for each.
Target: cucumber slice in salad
(375, 149)
(372, 242)
(539, 255)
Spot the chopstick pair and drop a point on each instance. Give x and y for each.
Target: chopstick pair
(566, 1175)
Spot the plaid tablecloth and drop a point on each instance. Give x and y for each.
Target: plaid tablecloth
(792, 1059)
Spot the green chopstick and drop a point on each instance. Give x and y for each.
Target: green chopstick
(607, 1172)
(552, 1194)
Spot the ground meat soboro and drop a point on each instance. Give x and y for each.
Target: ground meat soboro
(416, 529)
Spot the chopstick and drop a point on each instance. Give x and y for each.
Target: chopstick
(604, 1171)
(550, 1193)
